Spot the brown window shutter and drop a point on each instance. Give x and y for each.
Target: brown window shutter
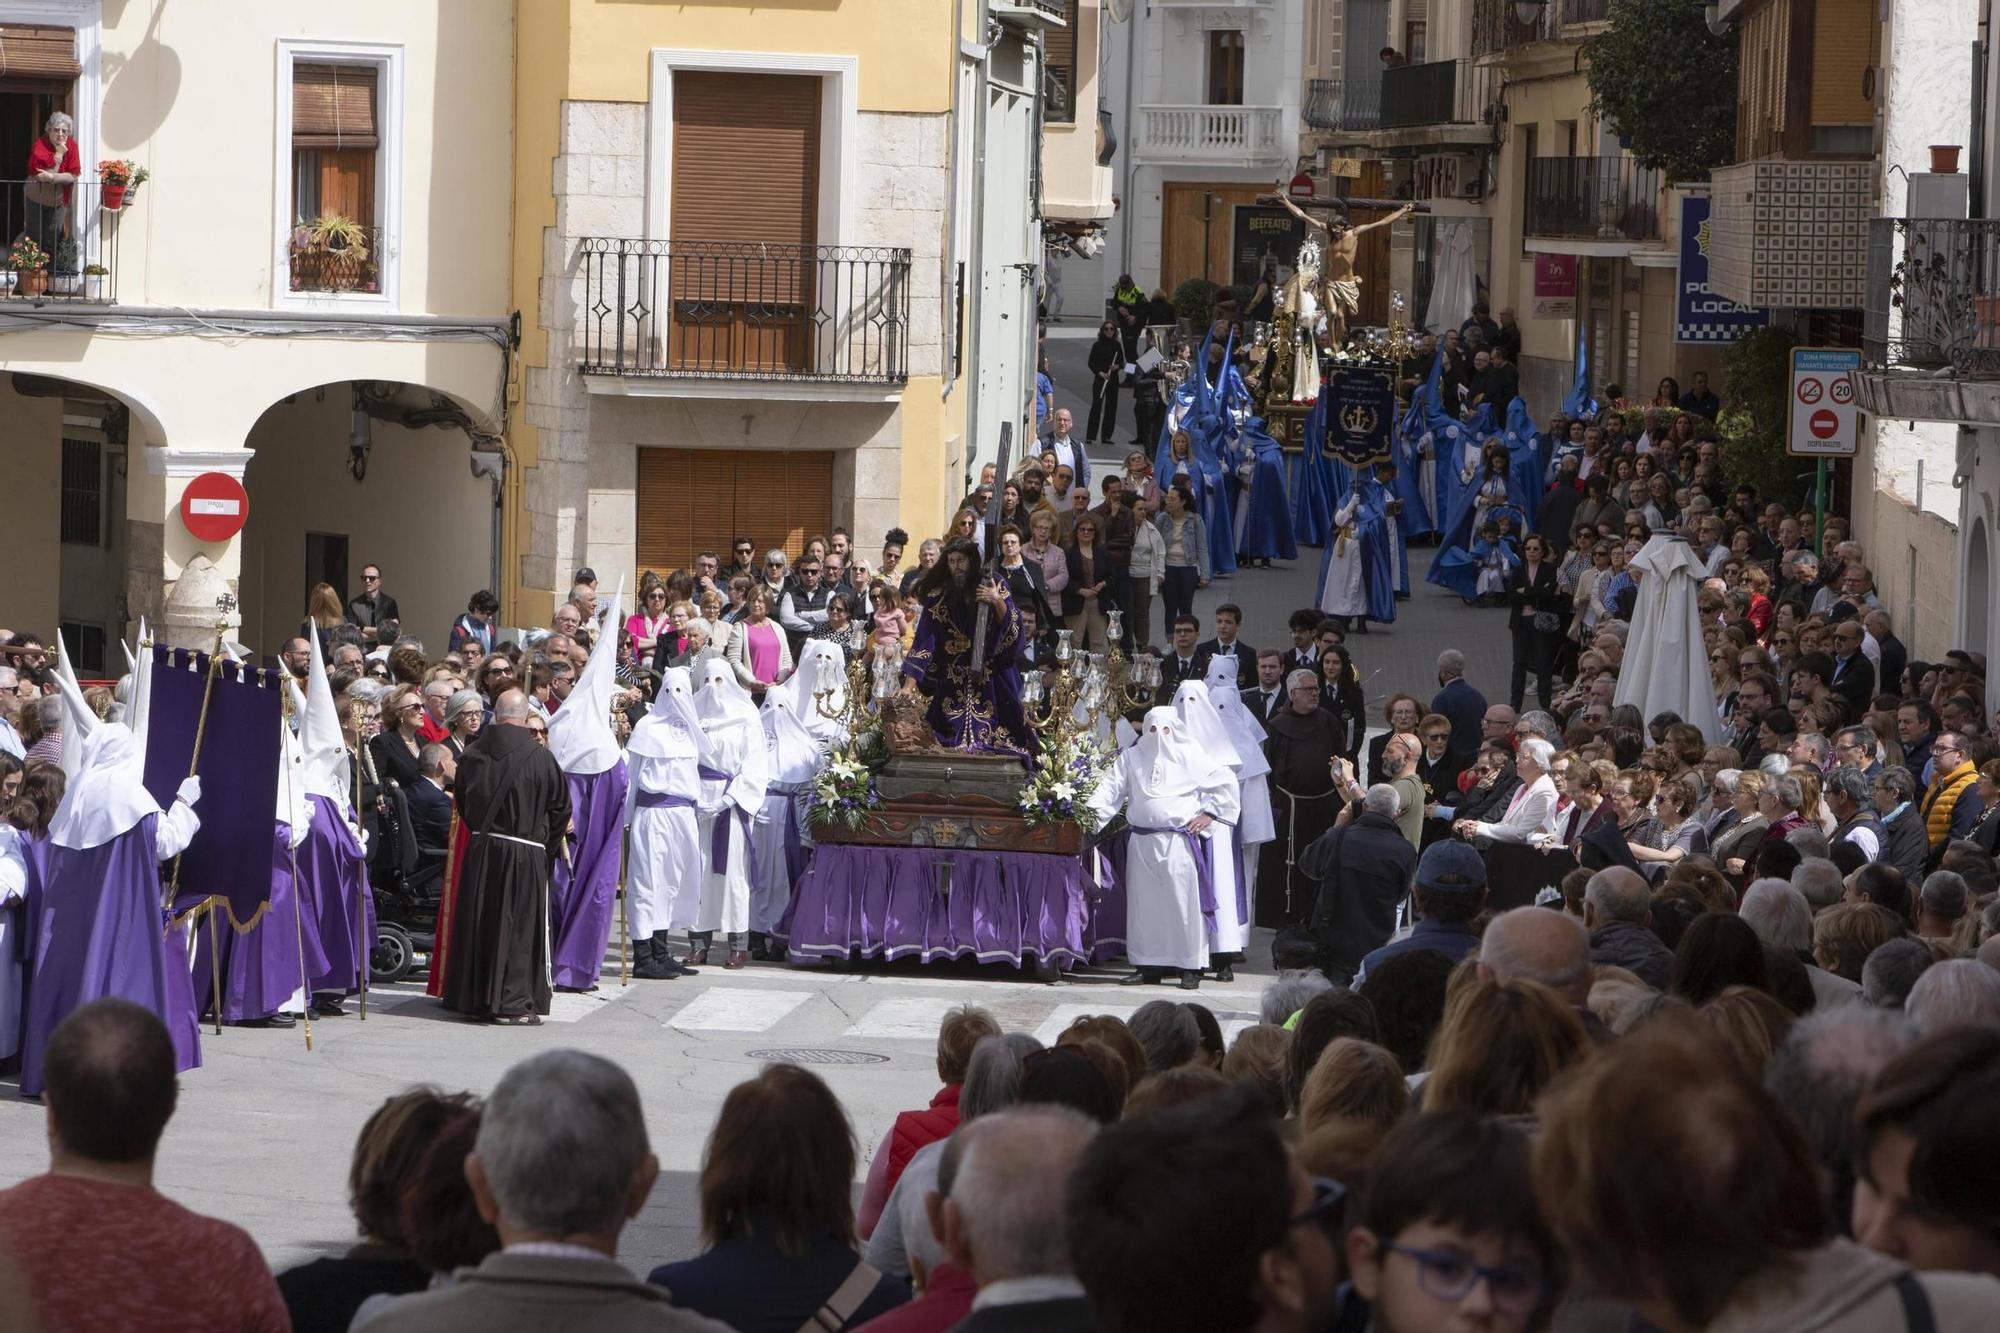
(38, 55)
(333, 106)
(746, 158)
(1843, 49)
(693, 500)
(1059, 69)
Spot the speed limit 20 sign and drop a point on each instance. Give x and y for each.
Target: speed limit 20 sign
(1823, 419)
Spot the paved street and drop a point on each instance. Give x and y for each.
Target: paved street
(265, 1129)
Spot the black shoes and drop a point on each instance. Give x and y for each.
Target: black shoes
(1142, 977)
(1190, 979)
(1225, 972)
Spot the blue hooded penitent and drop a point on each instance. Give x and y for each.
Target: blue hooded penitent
(1580, 403)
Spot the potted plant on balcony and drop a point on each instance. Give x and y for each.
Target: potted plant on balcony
(120, 179)
(31, 267)
(64, 277)
(94, 283)
(329, 254)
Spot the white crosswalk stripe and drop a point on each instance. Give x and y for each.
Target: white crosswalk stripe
(566, 1007)
(1065, 1014)
(733, 1010)
(905, 1018)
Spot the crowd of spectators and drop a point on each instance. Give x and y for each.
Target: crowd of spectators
(1512, 1135)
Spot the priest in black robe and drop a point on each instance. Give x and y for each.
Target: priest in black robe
(1303, 740)
(514, 801)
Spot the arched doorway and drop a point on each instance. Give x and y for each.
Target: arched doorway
(64, 502)
(357, 473)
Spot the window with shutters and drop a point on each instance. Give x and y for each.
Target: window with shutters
(1225, 67)
(338, 125)
(743, 216)
(691, 500)
(1059, 72)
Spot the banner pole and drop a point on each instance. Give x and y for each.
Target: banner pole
(292, 853)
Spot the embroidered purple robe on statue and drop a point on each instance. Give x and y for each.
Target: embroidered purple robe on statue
(970, 710)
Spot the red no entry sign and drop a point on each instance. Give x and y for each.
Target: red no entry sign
(1823, 424)
(214, 507)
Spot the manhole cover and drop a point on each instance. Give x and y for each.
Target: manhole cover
(817, 1055)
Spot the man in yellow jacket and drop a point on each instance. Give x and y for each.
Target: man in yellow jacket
(1952, 805)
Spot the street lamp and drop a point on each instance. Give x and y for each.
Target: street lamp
(1528, 13)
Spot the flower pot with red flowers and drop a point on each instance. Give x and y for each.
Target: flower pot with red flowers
(119, 179)
(31, 267)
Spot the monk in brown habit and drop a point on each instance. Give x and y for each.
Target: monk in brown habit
(1300, 748)
(513, 799)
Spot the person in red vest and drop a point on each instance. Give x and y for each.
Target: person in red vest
(962, 1029)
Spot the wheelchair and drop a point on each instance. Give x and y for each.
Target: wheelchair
(407, 877)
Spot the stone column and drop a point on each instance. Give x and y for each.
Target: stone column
(161, 554)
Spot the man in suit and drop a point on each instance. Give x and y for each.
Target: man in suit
(1303, 655)
(1182, 663)
(1267, 696)
(559, 1218)
(1853, 675)
(1228, 618)
(1457, 700)
(1067, 448)
(1889, 650)
(430, 807)
(1015, 1247)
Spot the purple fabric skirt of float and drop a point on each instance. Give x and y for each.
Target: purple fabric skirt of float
(893, 902)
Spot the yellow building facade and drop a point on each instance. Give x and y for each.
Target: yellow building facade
(733, 259)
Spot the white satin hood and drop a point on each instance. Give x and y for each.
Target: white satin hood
(580, 735)
(108, 796)
(672, 711)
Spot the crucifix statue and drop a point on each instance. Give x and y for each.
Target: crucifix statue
(1323, 292)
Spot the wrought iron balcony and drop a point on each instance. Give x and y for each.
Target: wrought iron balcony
(1349, 105)
(1933, 297)
(1592, 198)
(1218, 134)
(74, 255)
(742, 310)
(339, 263)
(1497, 25)
(1441, 92)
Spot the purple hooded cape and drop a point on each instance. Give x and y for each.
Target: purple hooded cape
(583, 888)
(335, 884)
(102, 916)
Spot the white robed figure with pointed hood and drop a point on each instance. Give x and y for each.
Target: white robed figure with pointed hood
(735, 770)
(799, 736)
(333, 858)
(584, 887)
(1666, 663)
(1229, 923)
(1173, 794)
(664, 868)
(1257, 825)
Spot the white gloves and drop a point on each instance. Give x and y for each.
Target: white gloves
(189, 791)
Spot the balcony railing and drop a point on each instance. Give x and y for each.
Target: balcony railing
(743, 310)
(77, 238)
(350, 263)
(1441, 92)
(1497, 27)
(1592, 198)
(1933, 297)
(1354, 106)
(1211, 133)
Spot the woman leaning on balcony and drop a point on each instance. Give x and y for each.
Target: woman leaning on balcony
(52, 168)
